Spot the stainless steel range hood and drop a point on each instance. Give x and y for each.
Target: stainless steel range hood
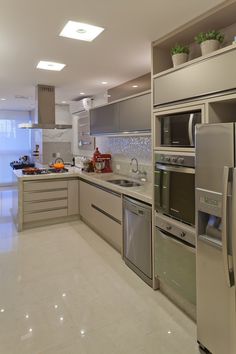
(44, 114)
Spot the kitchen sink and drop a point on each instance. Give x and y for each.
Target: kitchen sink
(124, 183)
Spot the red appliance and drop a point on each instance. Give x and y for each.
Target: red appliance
(102, 163)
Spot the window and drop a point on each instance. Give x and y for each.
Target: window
(14, 142)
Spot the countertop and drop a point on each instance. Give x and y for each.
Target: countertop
(143, 192)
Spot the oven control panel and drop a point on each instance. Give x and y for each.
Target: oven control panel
(179, 160)
(176, 228)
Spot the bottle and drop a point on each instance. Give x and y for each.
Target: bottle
(96, 154)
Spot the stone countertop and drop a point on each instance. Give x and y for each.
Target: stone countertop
(143, 192)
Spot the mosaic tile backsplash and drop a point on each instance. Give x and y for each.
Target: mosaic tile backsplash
(124, 148)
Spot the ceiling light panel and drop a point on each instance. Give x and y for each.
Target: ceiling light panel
(50, 65)
(81, 31)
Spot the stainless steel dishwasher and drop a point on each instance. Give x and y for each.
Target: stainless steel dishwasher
(138, 238)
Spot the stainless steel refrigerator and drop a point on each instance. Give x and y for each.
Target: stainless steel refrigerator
(216, 237)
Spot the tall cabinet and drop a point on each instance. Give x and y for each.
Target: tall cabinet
(204, 83)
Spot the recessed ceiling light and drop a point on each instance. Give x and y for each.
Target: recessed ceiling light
(50, 65)
(134, 86)
(104, 82)
(81, 31)
(82, 93)
(3, 99)
(63, 102)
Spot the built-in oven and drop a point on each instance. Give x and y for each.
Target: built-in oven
(174, 186)
(175, 261)
(178, 129)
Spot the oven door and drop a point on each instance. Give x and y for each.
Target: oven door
(175, 192)
(175, 264)
(179, 129)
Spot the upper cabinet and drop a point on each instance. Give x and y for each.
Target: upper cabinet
(104, 120)
(135, 114)
(200, 77)
(130, 115)
(203, 75)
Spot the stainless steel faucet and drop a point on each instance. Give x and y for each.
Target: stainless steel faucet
(142, 175)
(131, 164)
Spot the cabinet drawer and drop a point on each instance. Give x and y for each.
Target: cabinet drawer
(45, 205)
(31, 196)
(45, 185)
(45, 215)
(110, 203)
(108, 228)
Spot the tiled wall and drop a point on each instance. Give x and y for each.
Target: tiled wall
(52, 148)
(124, 148)
(54, 141)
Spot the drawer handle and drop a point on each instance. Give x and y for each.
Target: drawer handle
(105, 213)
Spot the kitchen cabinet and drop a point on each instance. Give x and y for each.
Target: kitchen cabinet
(73, 197)
(101, 209)
(130, 115)
(81, 140)
(135, 114)
(202, 76)
(104, 120)
(43, 200)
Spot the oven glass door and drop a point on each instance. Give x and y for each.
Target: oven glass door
(175, 264)
(175, 192)
(179, 129)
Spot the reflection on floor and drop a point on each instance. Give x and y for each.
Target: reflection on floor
(65, 291)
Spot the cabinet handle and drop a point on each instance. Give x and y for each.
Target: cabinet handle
(105, 213)
(102, 188)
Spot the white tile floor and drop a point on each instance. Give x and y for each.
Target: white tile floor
(63, 290)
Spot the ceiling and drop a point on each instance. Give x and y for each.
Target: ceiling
(29, 32)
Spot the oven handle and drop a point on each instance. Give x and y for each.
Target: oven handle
(172, 168)
(168, 236)
(190, 129)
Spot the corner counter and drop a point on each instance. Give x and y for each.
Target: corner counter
(44, 199)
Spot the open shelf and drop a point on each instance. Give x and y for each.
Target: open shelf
(221, 18)
(196, 60)
(223, 111)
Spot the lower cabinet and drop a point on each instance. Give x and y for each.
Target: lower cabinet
(50, 199)
(102, 210)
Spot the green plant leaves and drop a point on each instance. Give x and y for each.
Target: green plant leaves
(179, 48)
(205, 36)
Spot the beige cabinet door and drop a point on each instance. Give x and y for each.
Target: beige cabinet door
(73, 197)
(103, 211)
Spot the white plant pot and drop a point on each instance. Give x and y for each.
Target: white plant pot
(179, 58)
(209, 46)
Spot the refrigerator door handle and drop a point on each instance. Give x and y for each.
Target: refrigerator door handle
(227, 268)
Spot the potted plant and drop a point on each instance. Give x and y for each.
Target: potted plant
(209, 41)
(179, 54)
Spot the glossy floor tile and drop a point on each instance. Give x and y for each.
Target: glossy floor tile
(63, 290)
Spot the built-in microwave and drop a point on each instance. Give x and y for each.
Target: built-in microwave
(178, 129)
(174, 186)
